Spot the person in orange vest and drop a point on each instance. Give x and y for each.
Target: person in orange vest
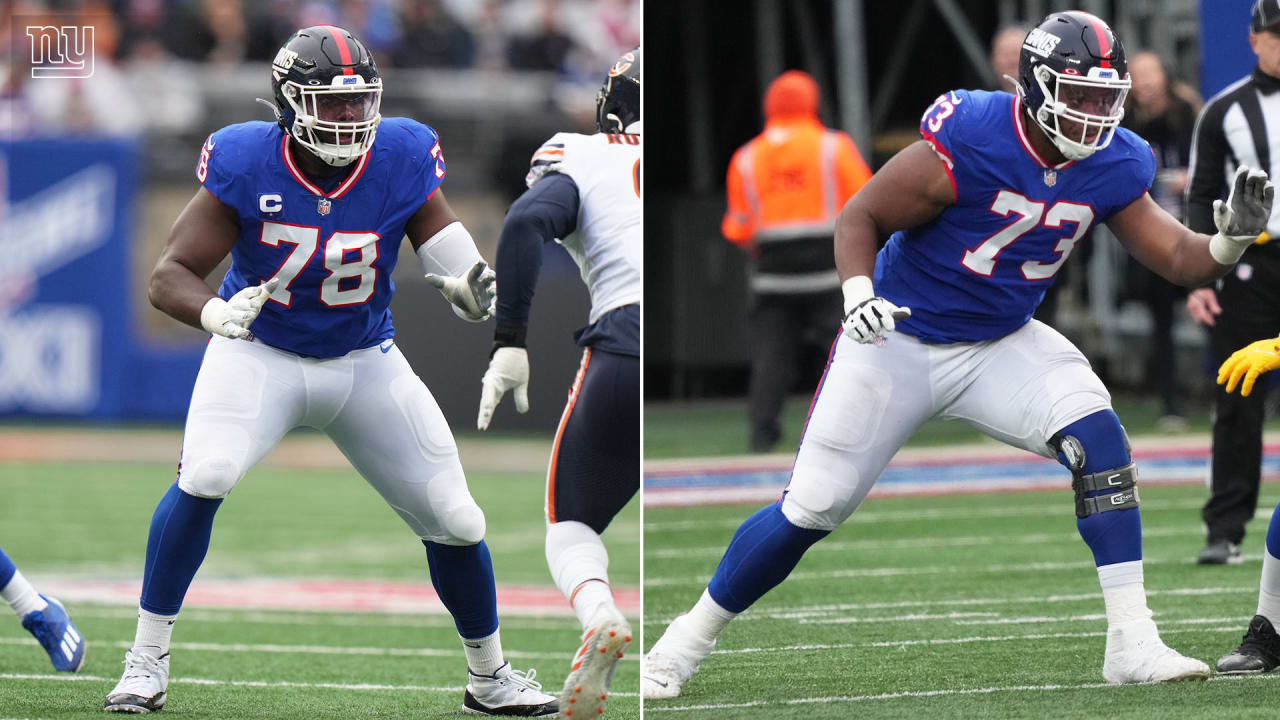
(785, 188)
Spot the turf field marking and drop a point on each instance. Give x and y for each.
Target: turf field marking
(1092, 617)
(960, 641)
(318, 618)
(957, 513)
(929, 541)
(805, 611)
(655, 708)
(882, 572)
(319, 649)
(264, 684)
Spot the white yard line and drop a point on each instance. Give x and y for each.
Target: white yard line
(263, 684)
(1063, 509)
(799, 612)
(655, 708)
(931, 541)
(880, 572)
(320, 649)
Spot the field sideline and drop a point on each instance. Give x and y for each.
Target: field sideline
(950, 603)
(314, 600)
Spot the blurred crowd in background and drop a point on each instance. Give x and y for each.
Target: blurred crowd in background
(150, 52)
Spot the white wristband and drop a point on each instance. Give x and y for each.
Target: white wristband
(856, 290)
(214, 315)
(1227, 251)
(450, 252)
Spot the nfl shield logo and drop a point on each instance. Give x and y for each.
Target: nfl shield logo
(325, 205)
(1050, 177)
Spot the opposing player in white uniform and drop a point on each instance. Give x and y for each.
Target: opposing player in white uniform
(584, 190)
(313, 210)
(987, 206)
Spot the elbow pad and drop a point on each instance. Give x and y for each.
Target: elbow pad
(450, 252)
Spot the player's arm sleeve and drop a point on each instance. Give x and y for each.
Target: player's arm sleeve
(942, 126)
(212, 166)
(850, 168)
(1207, 179)
(546, 211)
(738, 225)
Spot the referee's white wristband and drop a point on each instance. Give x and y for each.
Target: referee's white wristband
(1228, 250)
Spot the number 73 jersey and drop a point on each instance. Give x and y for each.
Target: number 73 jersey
(979, 270)
(333, 245)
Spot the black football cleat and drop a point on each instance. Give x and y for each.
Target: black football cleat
(1259, 652)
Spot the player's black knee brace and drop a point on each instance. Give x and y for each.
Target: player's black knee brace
(1114, 489)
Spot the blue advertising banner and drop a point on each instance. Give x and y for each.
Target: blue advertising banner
(68, 345)
(1225, 55)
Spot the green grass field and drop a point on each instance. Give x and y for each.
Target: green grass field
(708, 428)
(279, 523)
(963, 606)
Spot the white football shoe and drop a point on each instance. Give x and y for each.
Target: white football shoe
(507, 692)
(672, 661)
(142, 688)
(1136, 654)
(585, 690)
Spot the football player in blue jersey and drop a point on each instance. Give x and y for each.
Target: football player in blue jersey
(984, 210)
(43, 617)
(312, 209)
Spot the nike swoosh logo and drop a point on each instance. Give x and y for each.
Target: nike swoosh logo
(467, 644)
(655, 682)
(386, 348)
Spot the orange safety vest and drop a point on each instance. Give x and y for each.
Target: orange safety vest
(789, 183)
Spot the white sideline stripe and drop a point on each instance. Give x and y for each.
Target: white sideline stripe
(802, 611)
(961, 513)
(1043, 619)
(264, 684)
(324, 618)
(322, 649)
(932, 541)
(931, 693)
(925, 570)
(960, 641)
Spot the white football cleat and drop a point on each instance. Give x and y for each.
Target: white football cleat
(672, 661)
(506, 692)
(587, 686)
(142, 687)
(1136, 654)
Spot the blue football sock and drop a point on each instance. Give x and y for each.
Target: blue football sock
(1114, 536)
(1273, 537)
(179, 539)
(7, 569)
(463, 578)
(762, 554)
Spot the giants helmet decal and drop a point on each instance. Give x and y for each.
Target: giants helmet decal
(1073, 77)
(327, 93)
(618, 102)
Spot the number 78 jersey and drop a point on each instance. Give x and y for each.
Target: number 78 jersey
(979, 270)
(333, 247)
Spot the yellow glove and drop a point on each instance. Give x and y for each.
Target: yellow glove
(1249, 362)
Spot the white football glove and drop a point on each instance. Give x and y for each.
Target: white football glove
(508, 370)
(232, 318)
(472, 296)
(868, 318)
(1243, 217)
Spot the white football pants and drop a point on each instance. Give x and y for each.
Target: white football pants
(1019, 389)
(370, 402)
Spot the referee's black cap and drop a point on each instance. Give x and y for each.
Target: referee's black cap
(1266, 15)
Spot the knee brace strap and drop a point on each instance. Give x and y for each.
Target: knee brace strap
(1117, 485)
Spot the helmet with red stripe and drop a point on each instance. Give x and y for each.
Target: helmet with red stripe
(1073, 76)
(327, 93)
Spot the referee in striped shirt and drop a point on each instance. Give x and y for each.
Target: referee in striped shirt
(1238, 126)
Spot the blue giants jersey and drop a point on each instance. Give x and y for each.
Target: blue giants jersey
(978, 270)
(332, 247)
